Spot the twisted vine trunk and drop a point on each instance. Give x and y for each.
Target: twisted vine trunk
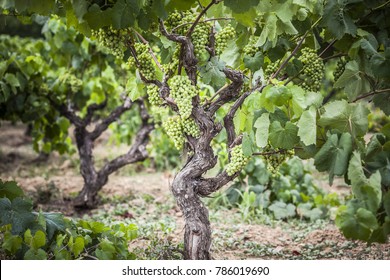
(87, 198)
(197, 236)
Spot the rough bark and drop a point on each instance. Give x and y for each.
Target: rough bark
(94, 179)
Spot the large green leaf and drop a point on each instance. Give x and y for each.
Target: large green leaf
(262, 127)
(334, 155)
(212, 72)
(337, 20)
(54, 222)
(124, 13)
(356, 222)
(307, 128)
(10, 190)
(17, 213)
(367, 190)
(283, 137)
(345, 117)
(353, 81)
(239, 6)
(33, 254)
(282, 210)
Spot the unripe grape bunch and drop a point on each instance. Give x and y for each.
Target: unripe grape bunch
(313, 69)
(222, 37)
(174, 129)
(250, 49)
(153, 95)
(340, 67)
(111, 39)
(191, 128)
(182, 92)
(145, 61)
(237, 160)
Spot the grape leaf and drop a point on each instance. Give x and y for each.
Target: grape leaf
(336, 19)
(334, 155)
(124, 13)
(239, 6)
(262, 128)
(212, 73)
(33, 254)
(54, 222)
(356, 222)
(382, 101)
(12, 243)
(10, 190)
(353, 81)
(346, 117)
(78, 246)
(283, 137)
(307, 129)
(367, 190)
(247, 145)
(17, 213)
(282, 210)
(254, 63)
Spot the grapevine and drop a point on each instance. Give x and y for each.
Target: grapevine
(111, 39)
(174, 129)
(340, 67)
(223, 37)
(153, 95)
(191, 128)
(275, 157)
(313, 69)
(250, 49)
(145, 61)
(271, 69)
(183, 91)
(237, 160)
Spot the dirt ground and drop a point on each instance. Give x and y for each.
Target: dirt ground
(233, 239)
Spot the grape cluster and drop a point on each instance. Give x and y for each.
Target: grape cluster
(75, 83)
(174, 129)
(237, 160)
(145, 61)
(313, 69)
(275, 158)
(340, 67)
(221, 39)
(191, 128)
(250, 49)
(111, 39)
(153, 95)
(174, 19)
(183, 91)
(200, 38)
(271, 69)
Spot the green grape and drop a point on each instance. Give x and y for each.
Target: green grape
(237, 160)
(183, 91)
(174, 129)
(174, 19)
(145, 61)
(222, 37)
(275, 157)
(153, 95)
(313, 70)
(200, 38)
(75, 83)
(271, 69)
(111, 39)
(191, 128)
(340, 67)
(250, 49)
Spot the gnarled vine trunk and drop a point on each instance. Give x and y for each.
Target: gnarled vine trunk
(197, 236)
(94, 179)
